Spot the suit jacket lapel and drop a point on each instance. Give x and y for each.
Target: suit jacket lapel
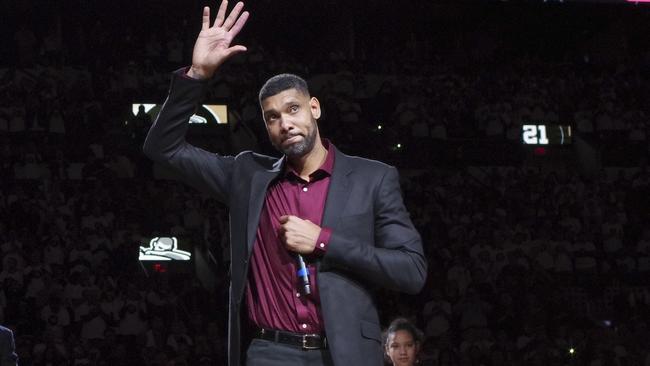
(259, 185)
(338, 193)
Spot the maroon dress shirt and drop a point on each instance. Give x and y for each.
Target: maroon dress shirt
(274, 294)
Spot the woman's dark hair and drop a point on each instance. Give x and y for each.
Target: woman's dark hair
(404, 324)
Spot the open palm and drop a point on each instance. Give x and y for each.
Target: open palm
(213, 45)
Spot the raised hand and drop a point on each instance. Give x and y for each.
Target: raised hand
(212, 46)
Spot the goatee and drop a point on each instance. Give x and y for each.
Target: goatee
(304, 146)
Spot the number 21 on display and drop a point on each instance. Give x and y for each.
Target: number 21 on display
(534, 134)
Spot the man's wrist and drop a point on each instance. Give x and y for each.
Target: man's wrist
(322, 242)
(198, 73)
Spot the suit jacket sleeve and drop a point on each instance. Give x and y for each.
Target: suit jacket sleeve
(8, 355)
(395, 260)
(165, 142)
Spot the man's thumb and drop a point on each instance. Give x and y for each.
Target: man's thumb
(235, 50)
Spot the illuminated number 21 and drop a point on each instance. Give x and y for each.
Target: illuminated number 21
(531, 132)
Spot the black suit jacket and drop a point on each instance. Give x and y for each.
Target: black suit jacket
(373, 242)
(8, 355)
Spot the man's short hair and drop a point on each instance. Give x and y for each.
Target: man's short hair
(282, 82)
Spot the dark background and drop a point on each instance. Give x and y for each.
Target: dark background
(532, 252)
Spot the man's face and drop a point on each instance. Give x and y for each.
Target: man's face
(290, 118)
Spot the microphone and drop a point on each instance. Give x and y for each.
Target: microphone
(303, 274)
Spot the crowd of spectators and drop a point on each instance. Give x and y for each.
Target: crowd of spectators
(528, 264)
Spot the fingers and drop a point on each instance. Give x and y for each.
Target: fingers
(285, 223)
(239, 24)
(233, 15)
(221, 15)
(206, 18)
(238, 48)
(234, 50)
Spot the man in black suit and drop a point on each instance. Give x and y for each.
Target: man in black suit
(8, 355)
(313, 234)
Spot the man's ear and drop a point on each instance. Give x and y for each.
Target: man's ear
(314, 104)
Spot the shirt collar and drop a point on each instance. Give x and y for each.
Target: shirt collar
(325, 169)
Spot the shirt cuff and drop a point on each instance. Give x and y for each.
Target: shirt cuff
(322, 242)
(182, 72)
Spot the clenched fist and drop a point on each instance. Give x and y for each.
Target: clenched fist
(298, 235)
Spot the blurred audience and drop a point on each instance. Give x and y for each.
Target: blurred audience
(540, 262)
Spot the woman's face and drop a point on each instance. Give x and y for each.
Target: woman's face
(401, 348)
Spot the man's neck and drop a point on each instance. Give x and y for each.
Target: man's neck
(305, 165)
